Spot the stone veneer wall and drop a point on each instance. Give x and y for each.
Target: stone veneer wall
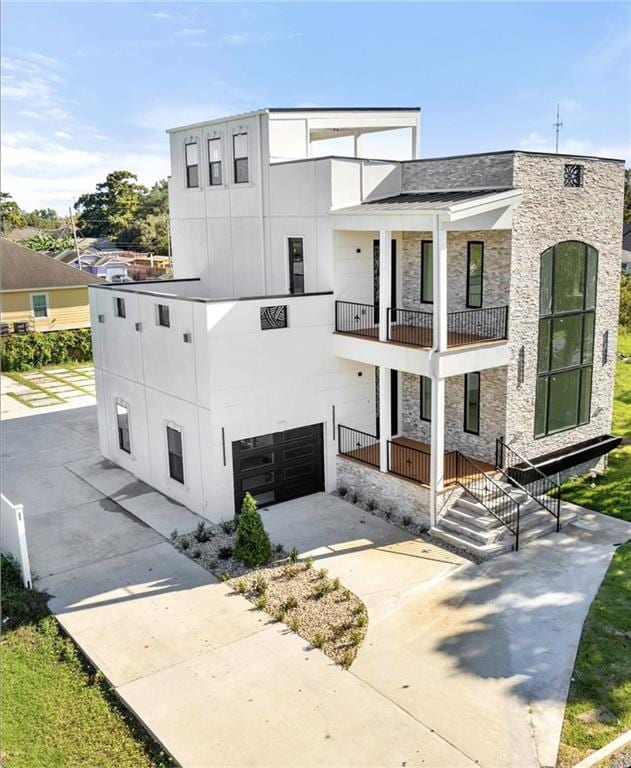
(385, 490)
(492, 170)
(548, 214)
(497, 268)
(492, 413)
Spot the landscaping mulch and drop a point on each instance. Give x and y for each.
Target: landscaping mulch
(311, 604)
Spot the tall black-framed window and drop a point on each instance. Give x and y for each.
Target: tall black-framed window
(427, 272)
(176, 456)
(295, 246)
(240, 156)
(119, 307)
(567, 304)
(472, 403)
(215, 177)
(163, 316)
(475, 273)
(426, 398)
(122, 426)
(192, 164)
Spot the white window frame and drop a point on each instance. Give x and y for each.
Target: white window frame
(216, 137)
(246, 133)
(196, 143)
(45, 295)
(119, 401)
(171, 480)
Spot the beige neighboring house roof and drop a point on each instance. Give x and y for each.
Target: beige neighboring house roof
(22, 269)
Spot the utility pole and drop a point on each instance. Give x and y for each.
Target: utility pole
(557, 127)
(74, 235)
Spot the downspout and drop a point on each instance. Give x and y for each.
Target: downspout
(261, 201)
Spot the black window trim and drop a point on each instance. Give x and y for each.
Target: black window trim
(159, 308)
(469, 305)
(551, 315)
(235, 158)
(422, 400)
(423, 244)
(212, 163)
(193, 165)
(288, 240)
(175, 428)
(119, 307)
(466, 401)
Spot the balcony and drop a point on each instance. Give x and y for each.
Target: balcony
(415, 328)
(407, 458)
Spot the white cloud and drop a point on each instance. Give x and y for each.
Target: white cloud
(159, 15)
(62, 135)
(235, 39)
(100, 137)
(160, 117)
(32, 79)
(192, 32)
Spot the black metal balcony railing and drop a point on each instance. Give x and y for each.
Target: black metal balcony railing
(360, 319)
(412, 463)
(409, 326)
(358, 445)
(474, 325)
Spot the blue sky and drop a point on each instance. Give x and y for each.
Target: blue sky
(89, 88)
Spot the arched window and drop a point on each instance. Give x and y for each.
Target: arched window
(567, 301)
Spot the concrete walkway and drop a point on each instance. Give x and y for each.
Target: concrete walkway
(462, 664)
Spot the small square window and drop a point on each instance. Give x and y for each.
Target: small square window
(573, 176)
(119, 307)
(162, 315)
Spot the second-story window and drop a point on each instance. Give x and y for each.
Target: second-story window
(475, 268)
(119, 307)
(214, 162)
(426, 398)
(192, 164)
(163, 316)
(472, 403)
(240, 155)
(427, 272)
(296, 265)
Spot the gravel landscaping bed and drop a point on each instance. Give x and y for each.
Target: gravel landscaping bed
(290, 589)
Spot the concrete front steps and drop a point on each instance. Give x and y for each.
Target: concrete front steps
(469, 526)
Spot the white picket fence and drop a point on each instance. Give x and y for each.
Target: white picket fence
(13, 536)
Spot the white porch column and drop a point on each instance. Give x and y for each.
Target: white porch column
(437, 479)
(357, 144)
(385, 281)
(439, 251)
(414, 147)
(385, 418)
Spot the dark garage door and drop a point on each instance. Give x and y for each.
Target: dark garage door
(279, 466)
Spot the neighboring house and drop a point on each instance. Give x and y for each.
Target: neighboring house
(374, 325)
(40, 294)
(626, 248)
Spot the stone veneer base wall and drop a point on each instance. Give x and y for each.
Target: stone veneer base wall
(385, 490)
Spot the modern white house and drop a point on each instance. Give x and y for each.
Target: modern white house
(436, 335)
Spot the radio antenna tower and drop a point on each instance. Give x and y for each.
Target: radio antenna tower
(557, 127)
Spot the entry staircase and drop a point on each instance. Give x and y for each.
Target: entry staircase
(500, 511)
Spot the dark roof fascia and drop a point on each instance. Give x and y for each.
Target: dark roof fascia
(343, 109)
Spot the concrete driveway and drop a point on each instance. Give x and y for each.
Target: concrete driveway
(462, 665)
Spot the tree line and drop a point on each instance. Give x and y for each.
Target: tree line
(120, 209)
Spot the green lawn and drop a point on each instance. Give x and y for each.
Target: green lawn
(599, 703)
(56, 711)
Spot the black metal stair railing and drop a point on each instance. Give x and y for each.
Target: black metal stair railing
(360, 319)
(522, 473)
(489, 493)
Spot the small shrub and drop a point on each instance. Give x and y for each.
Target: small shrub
(225, 553)
(346, 594)
(354, 498)
(36, 350)
(241, 586)
(291, 571)
(358, 609)
(406, 520)
(280, 615)
(322, 573)
(355, 638)
(184, 543)
(224, 576)
(212, 565)
(260, 584)
(261, 603)
(291, 602)
(278, 548)
(294, 624)
(388, 514)
(196, 553)
(227, 526)
(336, 584)
(253, 545)
(361, 619)
(293, 555)
(318, 640)
(322, 590)
(173, 535)
(308, 563)
(372, 505)
(347, 659)
(342, 491)
(202, 534)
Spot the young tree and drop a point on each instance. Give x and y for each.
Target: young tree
(253, 547)
(112, 209)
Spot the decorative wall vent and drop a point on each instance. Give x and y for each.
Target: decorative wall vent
(101, 318)
(273, 317)
(573, 175)
(188, 337)
(138, 326)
